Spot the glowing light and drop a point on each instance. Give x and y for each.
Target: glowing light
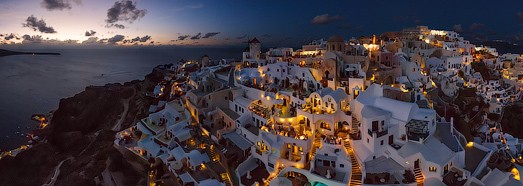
(515, 172)
(470, 144)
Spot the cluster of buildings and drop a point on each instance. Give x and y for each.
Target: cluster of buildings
(335, 112)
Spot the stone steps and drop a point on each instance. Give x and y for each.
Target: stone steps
(419, 176)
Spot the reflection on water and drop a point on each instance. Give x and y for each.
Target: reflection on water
(34, 84)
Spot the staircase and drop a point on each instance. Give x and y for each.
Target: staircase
(356, 175)
(226, 179)
(315, 144)
(214, 157)
(419, 176)
(355, 130)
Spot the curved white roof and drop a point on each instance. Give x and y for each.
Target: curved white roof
(196, 158)
(250, 72)
(371, 112)
(324, 91)
(400, 110)
(338, 95)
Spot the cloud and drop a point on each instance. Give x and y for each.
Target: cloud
(519, 16)
(90, 33)
(210, 34)
(58, 4)
(91, 40)
(325, 19)
(115, 39)
(457, 28)
(10, 36)
(123, 11)
(120, 26)
(40, 25)
(32, 39)
(142, 39)
(145, 38)
(183, 37)
(197, 36)
(475, 26)
(136, 39)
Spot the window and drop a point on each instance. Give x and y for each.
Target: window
(342, 165)
(381, 142)
(283, 70)
(268, 69)
(368, 140)
(277, 70)
(326, 163)
(432, 169)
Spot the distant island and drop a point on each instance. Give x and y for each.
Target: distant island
(10, 53)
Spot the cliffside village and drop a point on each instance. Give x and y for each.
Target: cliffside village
(334, 112)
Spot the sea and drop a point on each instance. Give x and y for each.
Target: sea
(34, 84)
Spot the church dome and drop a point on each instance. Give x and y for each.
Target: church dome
(335, 38)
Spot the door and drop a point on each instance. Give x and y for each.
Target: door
(416, 164)
(391, 139)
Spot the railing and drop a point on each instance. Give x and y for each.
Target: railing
(378, 133)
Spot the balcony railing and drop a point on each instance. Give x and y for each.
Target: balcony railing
(378, 133)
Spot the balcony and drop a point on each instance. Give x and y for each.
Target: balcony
(259, 110)
(417, 130)
(378, 133)
(299, 132)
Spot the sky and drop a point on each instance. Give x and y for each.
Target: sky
(232, 22)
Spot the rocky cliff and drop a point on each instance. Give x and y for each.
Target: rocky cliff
(81, 135)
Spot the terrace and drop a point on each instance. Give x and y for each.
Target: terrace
(297, 131)
(316, 110)
(257, 175)
(329, 173)
(380, 178)
(417, 130)
(257, 108)
(333, 140)
(155, 127)
(454, 177)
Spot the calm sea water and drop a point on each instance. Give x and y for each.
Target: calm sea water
(35, 84)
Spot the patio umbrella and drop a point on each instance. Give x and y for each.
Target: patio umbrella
(177, 165)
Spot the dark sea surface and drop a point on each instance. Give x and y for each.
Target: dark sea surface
(35, 84)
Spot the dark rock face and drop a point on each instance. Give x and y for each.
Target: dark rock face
(81, 132)
(512, 117)
(94, 109)
(29, 168)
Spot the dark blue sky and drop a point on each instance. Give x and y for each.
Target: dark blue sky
(273, 22)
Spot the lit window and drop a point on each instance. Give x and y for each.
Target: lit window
(432, 169)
